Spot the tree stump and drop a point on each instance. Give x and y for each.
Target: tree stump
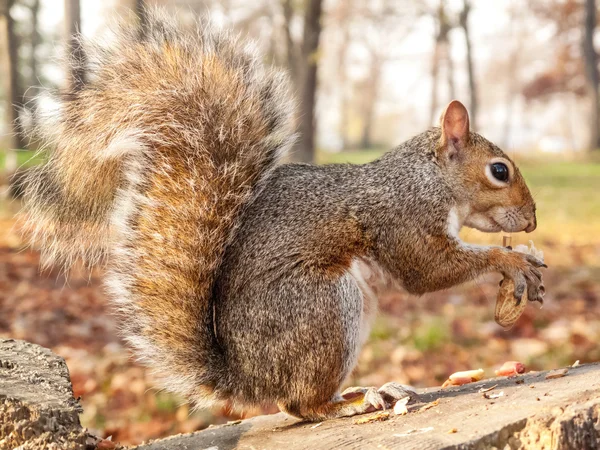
(37, 408)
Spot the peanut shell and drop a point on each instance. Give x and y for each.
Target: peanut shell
(507, 310)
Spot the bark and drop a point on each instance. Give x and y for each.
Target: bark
(305, 149)
(464, 23)
(77, 60)
(591, 71)
(37, 408)
(13, 88)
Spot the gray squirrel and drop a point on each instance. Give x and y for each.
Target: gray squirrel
(236, 277)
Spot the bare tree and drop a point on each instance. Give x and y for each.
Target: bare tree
(76, 70)
(303, 62)
(291, 49)
(343, 17)
(370, 95)
(35, 40)
(591, 72)
(464, 23)
(12, 86)
(441, 52)
(387, 23)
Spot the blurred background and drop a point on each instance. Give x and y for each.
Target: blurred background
(367, 74)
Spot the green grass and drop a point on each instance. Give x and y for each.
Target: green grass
(431, 335)
(25, 158)
(353, 157)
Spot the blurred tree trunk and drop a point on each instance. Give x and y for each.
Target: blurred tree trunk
(441, 51)
(77, 59)
(305, 149)
(35, 40)
(371, 91)
(13, 89)
(291, 50)
(464, 23)
(344, 11)
(591, 71)
(435, 70)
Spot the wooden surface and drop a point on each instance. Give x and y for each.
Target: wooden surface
(534, 413)
(37, 408)
(38, 411)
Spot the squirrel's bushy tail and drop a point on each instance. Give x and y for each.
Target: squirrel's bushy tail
(152, 163)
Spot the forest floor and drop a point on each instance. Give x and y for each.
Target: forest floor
(417, 341)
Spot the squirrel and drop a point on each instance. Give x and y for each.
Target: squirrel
(238, 277)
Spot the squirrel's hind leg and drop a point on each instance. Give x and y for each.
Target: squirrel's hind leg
(353, 401)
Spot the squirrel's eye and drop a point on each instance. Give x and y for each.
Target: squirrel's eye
(500, 171)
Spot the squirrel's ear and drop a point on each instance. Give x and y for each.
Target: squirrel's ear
(455, 126)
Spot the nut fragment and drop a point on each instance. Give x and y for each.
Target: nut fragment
(464, 377)
(400, 406)
(510, 368)
(508, 310)
(474, 375)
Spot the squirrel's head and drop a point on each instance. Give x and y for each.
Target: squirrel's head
(492, 193)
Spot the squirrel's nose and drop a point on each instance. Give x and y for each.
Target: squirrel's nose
(531, 225)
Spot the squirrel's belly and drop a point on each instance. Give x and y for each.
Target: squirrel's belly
(373, 281)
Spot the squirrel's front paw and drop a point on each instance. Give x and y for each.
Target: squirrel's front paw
(523, 269)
